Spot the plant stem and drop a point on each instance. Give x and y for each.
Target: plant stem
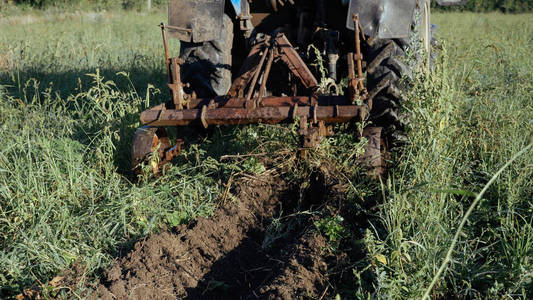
(448, 256)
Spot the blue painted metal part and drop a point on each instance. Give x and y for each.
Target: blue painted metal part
(237, 6)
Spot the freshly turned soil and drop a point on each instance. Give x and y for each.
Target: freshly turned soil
(225, 256)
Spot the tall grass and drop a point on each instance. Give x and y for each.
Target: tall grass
(63, 197)
(468, 119)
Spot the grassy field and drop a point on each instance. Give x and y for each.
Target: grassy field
(71, 89)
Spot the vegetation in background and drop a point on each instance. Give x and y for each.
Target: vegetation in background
(67, 197)
(59, 51)
(508, 6)
(86, 4)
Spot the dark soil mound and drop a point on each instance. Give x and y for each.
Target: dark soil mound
(227, 256)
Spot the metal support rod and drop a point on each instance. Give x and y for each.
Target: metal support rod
(256, 75)
(266, 74)
(358, 55)
(167, 53)
(165, 44)
(175, 85)
(351, 67)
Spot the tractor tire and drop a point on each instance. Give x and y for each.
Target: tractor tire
(207, 65)
(391, 65)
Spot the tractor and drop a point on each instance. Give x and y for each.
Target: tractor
(245, 62)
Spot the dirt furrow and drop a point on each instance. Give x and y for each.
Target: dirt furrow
(224, 256)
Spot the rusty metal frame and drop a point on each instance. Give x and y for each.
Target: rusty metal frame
(277, 47)
(245, 102)
(240, 116)
(236, 109)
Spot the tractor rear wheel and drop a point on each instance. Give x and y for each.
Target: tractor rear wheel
(207, 65)
(391, 65)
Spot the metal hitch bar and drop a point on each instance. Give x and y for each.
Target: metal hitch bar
(240, 116)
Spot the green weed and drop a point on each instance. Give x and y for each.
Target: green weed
(467, 120)
(63, 197)
(332, 228)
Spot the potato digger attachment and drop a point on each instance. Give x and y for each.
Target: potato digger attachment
(247, 103)
(238, 66)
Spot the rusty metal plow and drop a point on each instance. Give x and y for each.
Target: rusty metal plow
(245, 102)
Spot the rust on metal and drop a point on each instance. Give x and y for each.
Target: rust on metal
(313, 135)
(358, 56)
(356, 88)
(175, 84)
(174, 73)
(146, 141)
(227, 102)
(240, 116)
(294, 62)
(167, 52)
(266, 74)
(257, 72)
(278, 47)
(247, 71)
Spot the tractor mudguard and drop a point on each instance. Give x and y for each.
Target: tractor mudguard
(202, 20)
(383, 18)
